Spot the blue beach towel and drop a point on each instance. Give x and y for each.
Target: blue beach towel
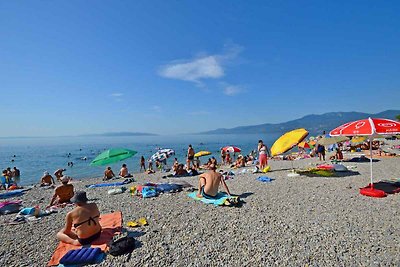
(265, 179)
(168, 188)
(12, 193)
(127, 181)
(218, 201)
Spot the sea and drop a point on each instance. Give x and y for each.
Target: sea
(33, 156)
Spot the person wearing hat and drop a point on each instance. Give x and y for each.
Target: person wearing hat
(63, 193)
(46, 179)
(59, 174)
(84, 218)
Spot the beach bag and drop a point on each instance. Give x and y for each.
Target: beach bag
(148, 191)
(121, 244)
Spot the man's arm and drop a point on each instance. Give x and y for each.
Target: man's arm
(202, 182)
(225, 186)
(53, 199)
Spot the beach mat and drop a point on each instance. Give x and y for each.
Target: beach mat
(111, 224)
(126, 181)
(218, 201)
(15, 193)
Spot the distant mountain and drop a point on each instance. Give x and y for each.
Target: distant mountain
(315, 124)
(121, 134)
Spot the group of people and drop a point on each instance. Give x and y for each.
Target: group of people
(123, 173)
(82, 223)
(9, 177)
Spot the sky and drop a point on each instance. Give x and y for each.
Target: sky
(165, 67)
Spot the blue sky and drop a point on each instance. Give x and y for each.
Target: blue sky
(79, 67)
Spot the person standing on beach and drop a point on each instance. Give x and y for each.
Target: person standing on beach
(85, 220)
(262, 154)
(142, 164)
(223, 155)
(16, 173)
(321, 152)
(59, 173)
(209, 183)
(190, 157)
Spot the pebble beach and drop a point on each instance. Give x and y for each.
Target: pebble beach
(291, 221)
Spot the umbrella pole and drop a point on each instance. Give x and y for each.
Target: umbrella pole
(370, 153)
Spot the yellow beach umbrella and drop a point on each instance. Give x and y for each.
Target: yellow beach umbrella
(288, 141)
(202, 153)
(358, 139)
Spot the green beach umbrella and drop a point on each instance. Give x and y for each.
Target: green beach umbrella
(112, 155)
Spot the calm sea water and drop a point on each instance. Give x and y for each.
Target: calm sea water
(33, 156)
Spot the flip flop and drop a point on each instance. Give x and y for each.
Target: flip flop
(142, 221)
(132, 224)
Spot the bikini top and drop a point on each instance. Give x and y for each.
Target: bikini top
(91, 219)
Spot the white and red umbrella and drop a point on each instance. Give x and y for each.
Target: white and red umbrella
(231, 149)
(371, 128)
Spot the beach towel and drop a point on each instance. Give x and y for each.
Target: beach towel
(165, 188)
(111, 224)
(219, 199)
(126, 181)
(14, 193)
(8, 207)
(265, 179)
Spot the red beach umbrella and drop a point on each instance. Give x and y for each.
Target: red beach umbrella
(371, 128)
(231, 149)
(304, 145)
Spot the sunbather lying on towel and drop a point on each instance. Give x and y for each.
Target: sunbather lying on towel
(84, 218)
(209, 183)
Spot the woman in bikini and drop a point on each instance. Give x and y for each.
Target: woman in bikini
(82, 225)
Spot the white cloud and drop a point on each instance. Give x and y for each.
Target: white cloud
(205, 67)
(232, 90)
(201, 68)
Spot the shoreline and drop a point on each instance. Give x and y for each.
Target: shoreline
(289, 221)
